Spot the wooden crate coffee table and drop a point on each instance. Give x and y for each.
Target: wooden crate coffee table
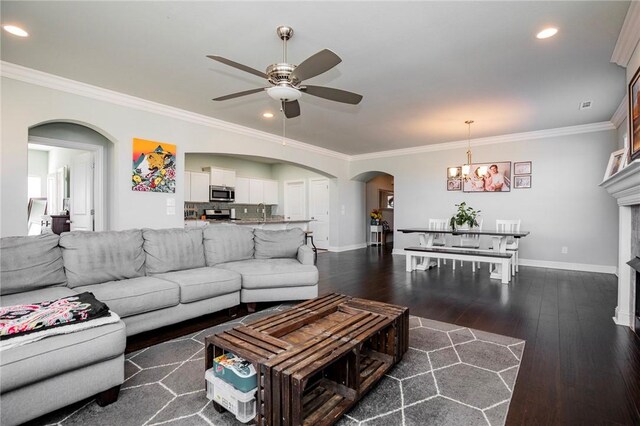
(317, 359)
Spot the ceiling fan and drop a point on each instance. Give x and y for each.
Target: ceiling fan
(286, 79)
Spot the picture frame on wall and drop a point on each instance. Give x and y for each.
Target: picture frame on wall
(522, 182)
(489, 177)
(617, 161)
(454, 178)
(522, 168)
(634, 116)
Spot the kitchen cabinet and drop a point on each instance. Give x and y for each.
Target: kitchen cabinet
(242, 190)
(221, 177)
(256, 191)
(270, 192)
(196, 187)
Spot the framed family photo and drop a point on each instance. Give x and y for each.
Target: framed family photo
(522, 168)
(617, 161)
(489, 177)
(454, 178)
(634, 116)
(522, 182)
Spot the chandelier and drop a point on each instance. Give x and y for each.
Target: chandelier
(465, 171)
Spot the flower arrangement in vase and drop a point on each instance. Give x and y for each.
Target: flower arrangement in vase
(376, 216)
(464, 216)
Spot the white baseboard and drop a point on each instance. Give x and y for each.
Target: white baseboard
(584, 267)
(603, 269)
(347, 248)
(624, 318)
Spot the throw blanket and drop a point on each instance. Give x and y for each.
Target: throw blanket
(20, 320)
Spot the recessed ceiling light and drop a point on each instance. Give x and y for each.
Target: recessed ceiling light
(268, 115)
(17, 31)
(547, 32)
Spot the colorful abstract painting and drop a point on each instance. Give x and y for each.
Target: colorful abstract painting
(154, 166)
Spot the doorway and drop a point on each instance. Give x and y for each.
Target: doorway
(380, 198)
(319, 211)
(295, 200)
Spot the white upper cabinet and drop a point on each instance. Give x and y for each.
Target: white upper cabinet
(256, 191)
(221, 177)
(196, 187)
(271, 192)
(242, 190)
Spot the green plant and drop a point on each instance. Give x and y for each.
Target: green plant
(464, 215)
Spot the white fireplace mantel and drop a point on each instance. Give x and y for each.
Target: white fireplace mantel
(624, 186)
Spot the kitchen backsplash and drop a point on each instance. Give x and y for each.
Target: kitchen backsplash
(240, 214)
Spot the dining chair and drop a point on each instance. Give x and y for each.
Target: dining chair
(509, 225)
(439, 239)
(470, 242)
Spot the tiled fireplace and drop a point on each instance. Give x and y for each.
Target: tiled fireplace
(625, 187)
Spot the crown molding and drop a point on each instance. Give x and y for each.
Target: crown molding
(514, 137)
(629, 36)
(621, 113)
(29, 75)
(39, 78)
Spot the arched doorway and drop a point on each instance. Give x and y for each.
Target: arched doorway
(380, 204)
(71, 164)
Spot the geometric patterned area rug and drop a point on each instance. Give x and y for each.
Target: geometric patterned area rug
(450, 375)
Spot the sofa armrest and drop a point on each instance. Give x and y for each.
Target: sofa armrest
(305, 255)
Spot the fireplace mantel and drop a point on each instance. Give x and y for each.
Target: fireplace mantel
(624, 186)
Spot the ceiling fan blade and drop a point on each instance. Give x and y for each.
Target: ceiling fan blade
(238, 94)
(315, 65)
(237, 65)
(333, 94)
(291, 109)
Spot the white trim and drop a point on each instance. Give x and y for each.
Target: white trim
(28, 75)
(628, 37)
(99, 192)
(347, 248)
(514, 137)
(624, 318)
(584, 267)
(604, 269)
(621, 113)
(624, 186)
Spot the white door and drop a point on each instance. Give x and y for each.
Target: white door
(319, 211)
(271, 192)
(82, 193)
(295, 200)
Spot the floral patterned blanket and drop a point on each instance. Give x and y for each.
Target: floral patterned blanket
(24, 319)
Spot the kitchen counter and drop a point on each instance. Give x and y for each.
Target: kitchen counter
(272, 224)
(250, 221)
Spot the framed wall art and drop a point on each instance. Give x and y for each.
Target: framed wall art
(617, 161)
(522, 168)
(454, 178)
(489, 177)
(634, 116)
(522, 182)
(154, 166)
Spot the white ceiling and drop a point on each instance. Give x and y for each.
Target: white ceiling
(423, 67)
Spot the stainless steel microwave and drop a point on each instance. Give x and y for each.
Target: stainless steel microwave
(222, 193)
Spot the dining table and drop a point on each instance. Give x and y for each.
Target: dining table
(499, 239)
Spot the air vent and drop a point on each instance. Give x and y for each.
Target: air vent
(585, 105)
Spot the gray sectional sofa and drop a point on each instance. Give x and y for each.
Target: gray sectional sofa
(150, 278)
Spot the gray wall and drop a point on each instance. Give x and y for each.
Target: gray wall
(564, 207)
(39, 166)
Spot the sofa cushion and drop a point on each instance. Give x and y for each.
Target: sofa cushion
(28, 263)
(273, 273)
(135, 295)
(203, 283)
(172, 249)
(278, 244)
(227, 243)
(98, 257)
(39, 360)
(35, 296)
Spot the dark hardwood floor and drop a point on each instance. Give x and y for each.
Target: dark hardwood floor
(578, 368)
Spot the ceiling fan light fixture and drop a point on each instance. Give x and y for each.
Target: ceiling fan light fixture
(284, 93)
(546, 33)
(15, 30)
